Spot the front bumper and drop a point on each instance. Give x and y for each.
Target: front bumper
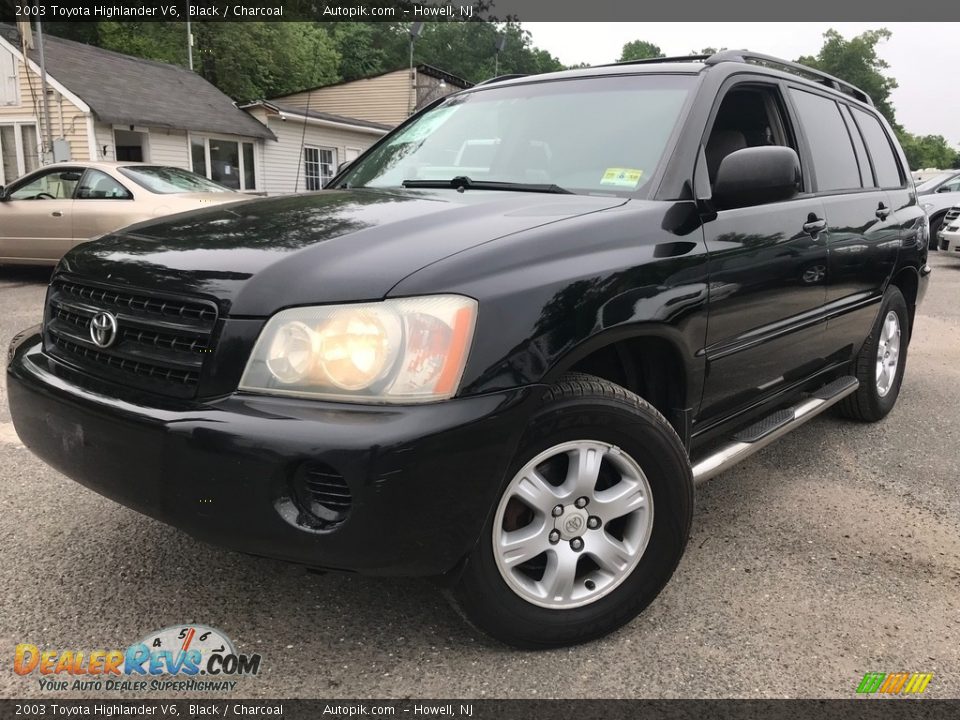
(423, 478)
(950, 240)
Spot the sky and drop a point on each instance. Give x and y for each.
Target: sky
(922, 56)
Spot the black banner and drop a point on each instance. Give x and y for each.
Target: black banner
(467, 10)
(860, 709)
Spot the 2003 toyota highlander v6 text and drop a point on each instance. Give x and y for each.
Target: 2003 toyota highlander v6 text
(505, 343)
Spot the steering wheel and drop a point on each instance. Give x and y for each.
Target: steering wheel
(44, 195)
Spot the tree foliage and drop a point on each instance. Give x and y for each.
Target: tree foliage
(928, 151)
(639, 50)
(857, 61)
(252, 60)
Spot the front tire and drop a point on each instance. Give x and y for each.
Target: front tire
(592, 522)
(936, 222)
(881, 362)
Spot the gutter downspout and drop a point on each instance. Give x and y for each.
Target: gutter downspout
(47, 130)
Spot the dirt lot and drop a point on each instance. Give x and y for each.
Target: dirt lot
(834, 552)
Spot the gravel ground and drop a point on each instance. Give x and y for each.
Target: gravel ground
(834, 552)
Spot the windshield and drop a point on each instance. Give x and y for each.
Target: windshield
(170, 180)
(589, 136)
(934, 181)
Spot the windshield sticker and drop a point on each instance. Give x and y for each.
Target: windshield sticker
(622, 177)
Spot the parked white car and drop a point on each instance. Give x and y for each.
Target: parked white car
(949, 238)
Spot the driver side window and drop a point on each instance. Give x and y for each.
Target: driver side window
(56, 184)
(749, 116)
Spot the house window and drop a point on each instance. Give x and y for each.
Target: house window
(198, 154)
(8, 79)
(227, 162)
(318, 166)
(19, 150)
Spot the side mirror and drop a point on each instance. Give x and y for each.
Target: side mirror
(944, 188)
(344, 165)
(757, 175)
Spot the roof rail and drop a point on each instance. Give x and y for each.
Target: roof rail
(646, 61)
(501, 78)
(818, 76)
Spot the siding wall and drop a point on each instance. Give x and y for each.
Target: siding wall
(282, 158)
(169, 147)
(382, 99)
(67, 121)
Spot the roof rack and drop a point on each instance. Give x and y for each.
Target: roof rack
(500, 78)
(646, 61)
(818, 76)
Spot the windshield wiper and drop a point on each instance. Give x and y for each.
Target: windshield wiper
(462, 182)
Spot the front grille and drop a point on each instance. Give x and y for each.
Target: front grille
(952, 214)
(161, 340)
(322, 493)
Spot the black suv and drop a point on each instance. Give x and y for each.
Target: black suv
(505, 343)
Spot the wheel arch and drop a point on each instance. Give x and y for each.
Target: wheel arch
(650, 361)
(907, 281)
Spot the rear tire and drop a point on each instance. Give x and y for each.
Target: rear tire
(539, 578)
(881, 362)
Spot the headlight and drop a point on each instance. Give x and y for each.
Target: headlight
(396, 351)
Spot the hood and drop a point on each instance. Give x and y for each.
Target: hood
(257, 256)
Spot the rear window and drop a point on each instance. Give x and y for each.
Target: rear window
(170, 180)
(884, 161)
(834, 162)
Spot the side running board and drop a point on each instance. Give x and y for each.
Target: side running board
(763, 432)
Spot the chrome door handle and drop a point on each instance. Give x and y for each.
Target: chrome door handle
(814, 225)
(883, 212)
(57, 213)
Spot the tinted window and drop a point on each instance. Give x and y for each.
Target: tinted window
(866, 174)
(884, 162)
(834, 162)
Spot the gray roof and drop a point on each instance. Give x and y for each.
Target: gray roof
(330, 117)
(125, 90)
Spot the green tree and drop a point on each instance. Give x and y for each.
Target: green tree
(639, 50)
(856, 60)
(252, 60)
(927, 151)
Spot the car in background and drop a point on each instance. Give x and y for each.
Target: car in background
(949, 237)
(49, 211)
(945, 181)
(938, 193)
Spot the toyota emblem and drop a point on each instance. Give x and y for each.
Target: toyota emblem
(573, 524)
(103, 329)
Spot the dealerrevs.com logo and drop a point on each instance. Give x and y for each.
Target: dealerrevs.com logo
(188, 658)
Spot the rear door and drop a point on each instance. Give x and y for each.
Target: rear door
(102, 204)
(862, 236)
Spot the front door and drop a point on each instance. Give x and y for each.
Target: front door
(768, 268)
(35, 216)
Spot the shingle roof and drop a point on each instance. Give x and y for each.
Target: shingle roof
(125, 90)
